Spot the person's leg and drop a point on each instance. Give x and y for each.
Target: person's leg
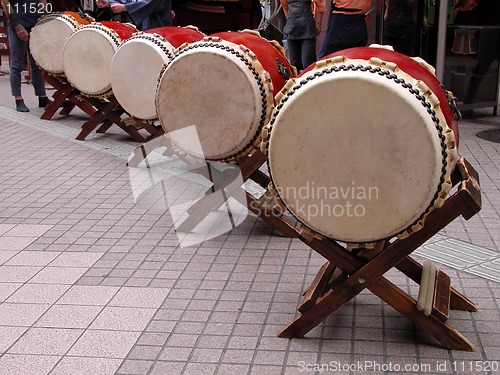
(294, 51)
(363, 32)
(398, 44)
(328, 44)
(18, 49)
(36, 77)
(389, 41)
(38, 83)
(308, 51)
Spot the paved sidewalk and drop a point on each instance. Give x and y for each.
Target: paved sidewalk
(92, 283)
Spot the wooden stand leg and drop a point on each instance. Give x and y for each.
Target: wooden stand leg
(246, 166)
(402, 302)
(67, 108)
(60, 98)
(317, 287)
(102, 114)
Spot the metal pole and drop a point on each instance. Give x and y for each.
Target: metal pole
(441, 38)
(420, 27)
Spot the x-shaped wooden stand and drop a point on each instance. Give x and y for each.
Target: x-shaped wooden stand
(110, 112)
(348, 272)
(103, 112)
(66, 97)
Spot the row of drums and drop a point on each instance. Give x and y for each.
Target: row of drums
(360, 146)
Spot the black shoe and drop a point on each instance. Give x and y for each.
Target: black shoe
(43, 101)
(20, 106)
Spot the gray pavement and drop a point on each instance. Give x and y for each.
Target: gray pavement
(92, 283)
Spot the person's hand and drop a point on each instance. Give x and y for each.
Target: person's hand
(117, 7)
(318, 29)
(21, 32)
(102, 3)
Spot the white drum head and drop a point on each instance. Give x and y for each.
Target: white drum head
(87, 59)
(355, 156)
(134, 73)
(47, 41)
(219, 93)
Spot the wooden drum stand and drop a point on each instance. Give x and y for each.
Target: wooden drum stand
(348, 272)
(103, 112)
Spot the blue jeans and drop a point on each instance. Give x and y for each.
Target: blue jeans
(18, 49)
(302, 52)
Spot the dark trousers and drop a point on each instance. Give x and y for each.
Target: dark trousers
(401, 45)
(302, 52)
(344, 31)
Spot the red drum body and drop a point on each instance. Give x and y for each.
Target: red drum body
(176, 36)
(124, 30)
(138, 62)
(47, 39)
(224, 86)
(88, 53)
(270, 54)
(416, 68)
(362, 144)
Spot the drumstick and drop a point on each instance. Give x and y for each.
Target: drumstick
(424, 281)
(429, 300)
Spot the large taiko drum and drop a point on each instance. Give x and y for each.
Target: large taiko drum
(138, 62)
(88, 52)
(47, 39)
(224, 86)
(361, 145)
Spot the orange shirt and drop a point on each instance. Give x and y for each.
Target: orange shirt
(351, 6)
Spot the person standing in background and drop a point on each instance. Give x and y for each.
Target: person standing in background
(146, 14)
(23, 15)
(90, 8)
(400, 26)
(346, 26)
(303, 24)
